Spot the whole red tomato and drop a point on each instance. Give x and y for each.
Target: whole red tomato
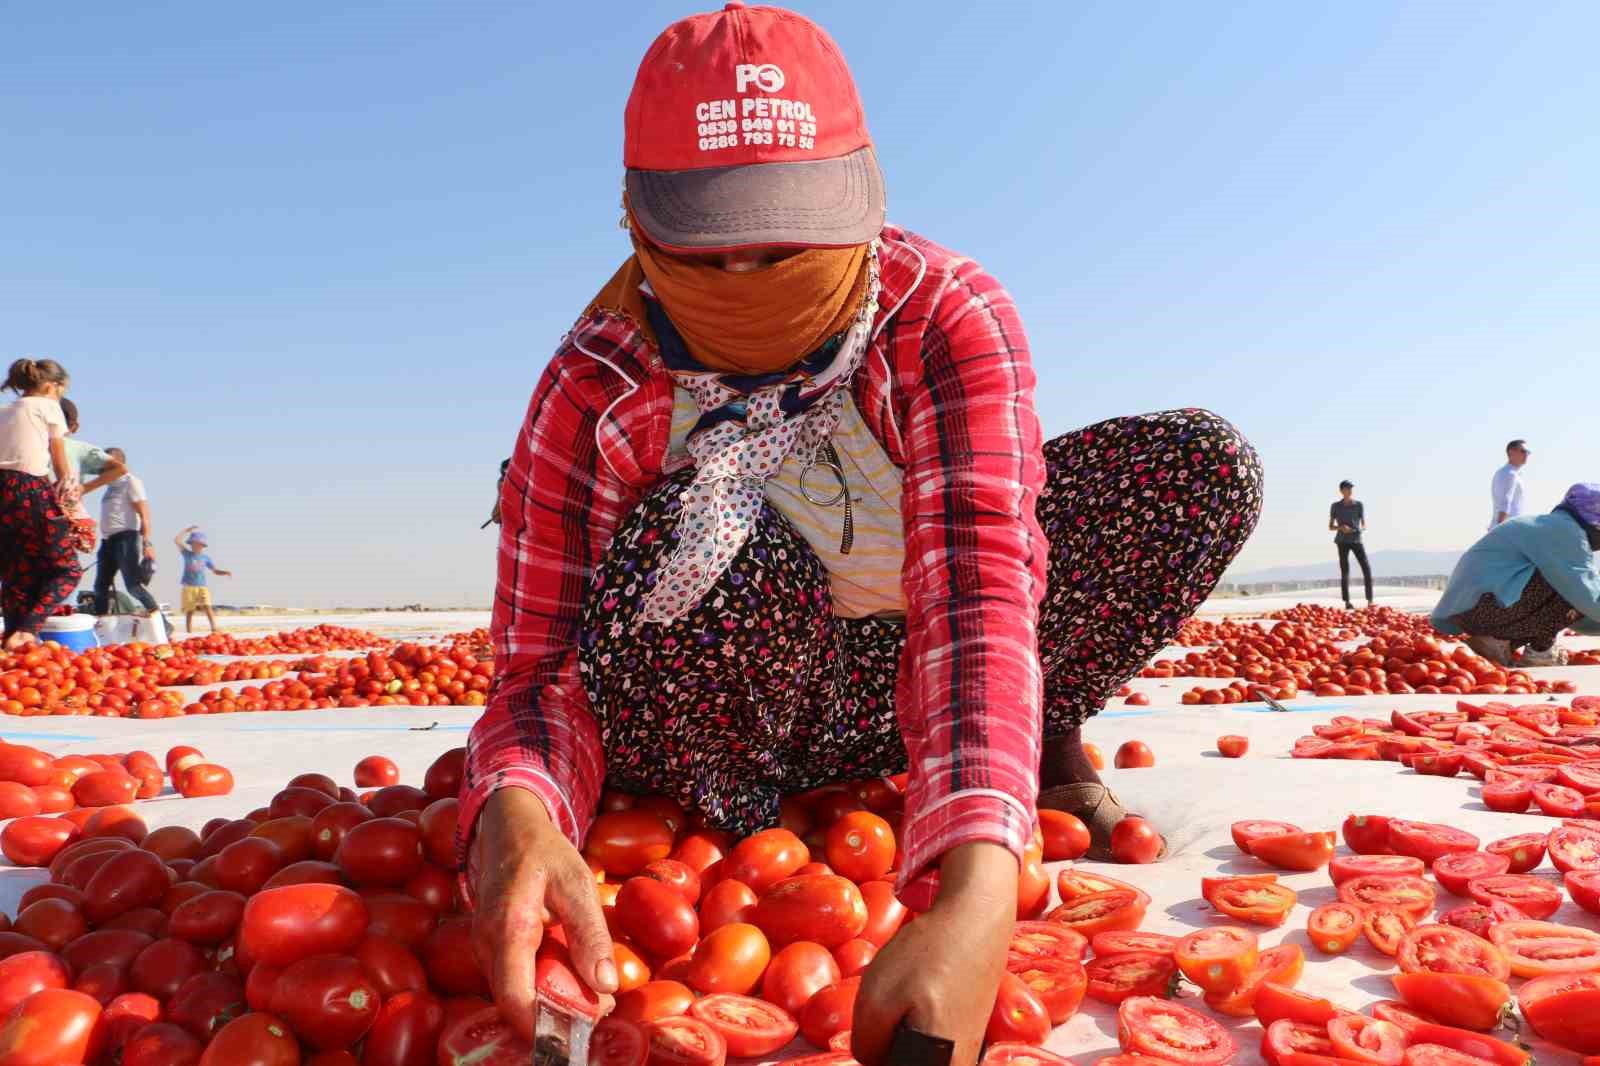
(392, 966)
(37, 840)
(328, 1000)
(444, 775)
(1065, 835)
(860, 846)
(376, 771)
(129, 879)
(162, 1044)
(160, 968)
(764, 859)
(825, 908)
(1134, 754)
(657, 917)
(384, 851)
(730, 959)
(253, 1040)
(330, 824)
(52, 1027)
(450, 960)
(725, 902)
(27, 972)
(438, 826)
(885, 913)
(829, 1012)
(283, 925)
(205, 1003)
(404, 919)
(653, 1000)
(625, 842)
(52, 922)
(1134, 840)
(677, 874)
(406, 1031)
(1233, 746)
(246, 865)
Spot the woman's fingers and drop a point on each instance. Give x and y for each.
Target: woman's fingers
(576, 904)
(506, 932)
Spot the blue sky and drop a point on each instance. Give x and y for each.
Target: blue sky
(306, 262)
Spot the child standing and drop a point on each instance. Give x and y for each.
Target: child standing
(39, 565)
(196, 595)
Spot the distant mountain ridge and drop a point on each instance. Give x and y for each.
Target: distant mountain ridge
(1384, 564)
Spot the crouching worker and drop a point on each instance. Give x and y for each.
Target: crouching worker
(1526, 581)
(781, 515)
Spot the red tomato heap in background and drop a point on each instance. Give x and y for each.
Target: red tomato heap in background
(135, 680)
(1301, 654)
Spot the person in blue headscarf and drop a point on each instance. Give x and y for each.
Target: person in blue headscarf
(1526, 581)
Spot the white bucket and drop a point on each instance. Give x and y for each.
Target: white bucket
(75, 631)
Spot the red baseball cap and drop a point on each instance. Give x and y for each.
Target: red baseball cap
(744, 127)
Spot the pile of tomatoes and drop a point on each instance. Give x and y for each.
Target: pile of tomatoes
(325, 921)
(1292, 658)
(136, 680)
(34, 783)
(306, 640)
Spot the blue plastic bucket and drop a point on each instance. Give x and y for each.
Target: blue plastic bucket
(74, 631)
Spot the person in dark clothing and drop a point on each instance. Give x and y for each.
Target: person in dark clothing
(1347, 518)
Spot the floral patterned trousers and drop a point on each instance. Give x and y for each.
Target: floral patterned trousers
(761, 691)
(39, 566)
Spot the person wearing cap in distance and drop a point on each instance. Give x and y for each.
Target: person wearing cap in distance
(780, 515)
(1527, 580)
(1347, 517)
(1506, 488)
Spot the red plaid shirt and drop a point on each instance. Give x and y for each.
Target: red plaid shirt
(947, 389)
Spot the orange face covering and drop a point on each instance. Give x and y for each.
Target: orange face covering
(764, 321)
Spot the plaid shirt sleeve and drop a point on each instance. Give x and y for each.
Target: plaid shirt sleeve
(970, 687)
(560, 502)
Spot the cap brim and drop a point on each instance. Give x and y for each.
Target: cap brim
(828, 203)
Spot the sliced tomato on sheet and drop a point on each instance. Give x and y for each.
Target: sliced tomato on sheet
(1147, 1025)
(1115, 978)
(1456, 870)
(1257, 902)
(1564, 1009)
(1537, 949)
(1412, 895)
(1333, 927)
(1525, 850)
(1281, 965)
(1345, 867)
(1471, 1000)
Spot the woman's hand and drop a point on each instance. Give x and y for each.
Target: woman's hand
(940, 972)
(524, 867)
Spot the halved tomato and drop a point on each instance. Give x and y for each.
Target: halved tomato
(1512, 795)
(1281, 965)
(1428, 840)
(1573, 847)
(1536, 949)
(617, 1042)
(1362, 1039)
(1525, 850)
(1565, 1010)
(1285, 1041)
(1474, 1045)
(1584, 888)
(1333, 927)
(1257, 902)
(1209, 885)
(1534, 896)
(1294, 851)
(1472, 1000)
(1385, 927)
(1558, 801)
(1034, 940)
(1123, 942)
(1446, 949)
(1582, 776)
(1367, 834)
(1398, 1013)
(1453, 871)
(1479, 918)
(1150, 1026)
(1028, 1055)
(1101, 912)
(1059, 983)
(1347, 867)
(1114, 979)
(1074, 884)
(1275, 1002)
(685, 1041)
(1246, 832)
(1412, 895)
(749, 1026)
(1218, 959)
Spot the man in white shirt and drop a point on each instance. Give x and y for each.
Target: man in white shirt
(125, 527)
(1506, 489)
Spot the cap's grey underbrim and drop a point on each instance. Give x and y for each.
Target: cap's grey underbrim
(825, 203)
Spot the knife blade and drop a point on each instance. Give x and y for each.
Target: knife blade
(913, 1048)
(560, 1037)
